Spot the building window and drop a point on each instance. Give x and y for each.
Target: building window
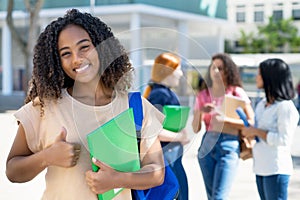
(296, 14)
(277, 15)
(258, 5)
(240, 17)
(259, 16)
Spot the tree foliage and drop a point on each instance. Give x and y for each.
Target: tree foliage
(276, 36)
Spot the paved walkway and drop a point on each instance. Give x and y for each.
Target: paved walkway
(244, 186)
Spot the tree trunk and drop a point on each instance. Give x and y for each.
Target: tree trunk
(26, 46)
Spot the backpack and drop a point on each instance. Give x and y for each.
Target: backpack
(170, 187)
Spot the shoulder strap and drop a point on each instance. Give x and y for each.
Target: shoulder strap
(135, 102)
(170, 184)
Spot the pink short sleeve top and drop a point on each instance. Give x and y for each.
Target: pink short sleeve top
(204, 97)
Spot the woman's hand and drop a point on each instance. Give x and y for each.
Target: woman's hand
(208, 107)
(183, 137)
(62, 153)
(103, 180)
(170, 136)
(248, 131)
(252, 132)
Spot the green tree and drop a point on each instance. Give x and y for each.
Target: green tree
(246, 41)
(276, 36)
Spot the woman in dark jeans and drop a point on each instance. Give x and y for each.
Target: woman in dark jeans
(166, 73)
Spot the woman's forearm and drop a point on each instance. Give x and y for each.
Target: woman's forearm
(261, 133)
(24, 168)
(149, 176)
(197, 121)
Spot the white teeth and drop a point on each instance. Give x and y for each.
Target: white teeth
(82, 68)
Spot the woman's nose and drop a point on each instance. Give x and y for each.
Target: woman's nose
(77, 59)
(216, 70)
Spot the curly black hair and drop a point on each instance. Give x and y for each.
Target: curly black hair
(231, 71)
(48, 77)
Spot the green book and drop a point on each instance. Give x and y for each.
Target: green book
(115, 144)
(176, 117)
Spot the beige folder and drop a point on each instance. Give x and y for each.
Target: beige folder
(230, 104)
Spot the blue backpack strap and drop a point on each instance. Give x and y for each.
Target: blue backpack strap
(135, 102)
(169, 189)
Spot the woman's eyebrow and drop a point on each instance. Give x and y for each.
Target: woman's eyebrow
(79, 42)
(83, 40)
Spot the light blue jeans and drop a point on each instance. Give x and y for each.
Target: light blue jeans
(274, 187)
(218, 158)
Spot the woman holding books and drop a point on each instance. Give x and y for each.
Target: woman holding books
(218, 154)
(80, 79)
(166, 74)
(276, 119)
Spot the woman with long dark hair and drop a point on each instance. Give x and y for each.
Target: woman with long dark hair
(276, 119)
(219, 152)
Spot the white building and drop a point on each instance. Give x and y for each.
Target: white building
(248, 14)
(194, 29)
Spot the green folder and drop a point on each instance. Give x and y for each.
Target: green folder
(176, 117)
(115, 144)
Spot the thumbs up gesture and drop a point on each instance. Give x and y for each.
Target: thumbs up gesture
(62, 153)
(103, 180)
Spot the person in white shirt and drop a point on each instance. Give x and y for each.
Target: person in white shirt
(276, 119)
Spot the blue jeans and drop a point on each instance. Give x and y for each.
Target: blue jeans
(173, 152)
(218, 158)
(274, 187)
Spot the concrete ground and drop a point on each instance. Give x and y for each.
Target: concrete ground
(244, 186)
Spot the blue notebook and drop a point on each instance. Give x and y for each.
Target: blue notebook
(115, 144)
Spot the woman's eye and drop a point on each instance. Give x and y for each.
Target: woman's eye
(64, 54)
(85, 47)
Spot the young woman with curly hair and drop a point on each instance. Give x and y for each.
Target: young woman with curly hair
(218, 154)
(80, 80)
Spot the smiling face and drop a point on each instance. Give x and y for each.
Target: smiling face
(78, 55)
(217, 71)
